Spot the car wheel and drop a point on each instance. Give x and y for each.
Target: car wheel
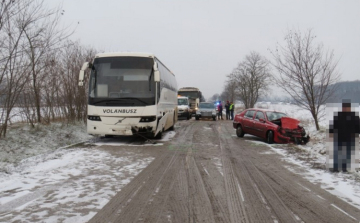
(197, 118)
(214, 118)
(188, 117)
(270, 137)
(239, 131)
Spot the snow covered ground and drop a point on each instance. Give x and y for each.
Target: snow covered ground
(46, 176)
(311, 158)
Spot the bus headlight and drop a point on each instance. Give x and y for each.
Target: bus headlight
(94, 118)
(148, 119)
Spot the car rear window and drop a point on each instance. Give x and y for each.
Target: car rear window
(206, 105)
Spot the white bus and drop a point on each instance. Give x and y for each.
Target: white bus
(194, 95)
(130, 94)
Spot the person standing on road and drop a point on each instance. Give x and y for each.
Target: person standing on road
(227, 109)
(220, 110)
(231, 108)
(344, 134)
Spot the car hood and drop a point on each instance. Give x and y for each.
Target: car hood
(206, 110)
(289, 123)
(183, 107)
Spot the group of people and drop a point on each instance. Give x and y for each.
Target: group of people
(229, 108)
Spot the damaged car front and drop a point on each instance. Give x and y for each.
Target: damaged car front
(289, 129)
(270, 125)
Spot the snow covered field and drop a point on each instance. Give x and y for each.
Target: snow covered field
(45, 176)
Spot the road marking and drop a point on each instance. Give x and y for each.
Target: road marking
(205, 169)
(304, 187)
(241, 194)
(218, 165)
(343, 211)
(298, 218)
(261, 196)
(321, 197)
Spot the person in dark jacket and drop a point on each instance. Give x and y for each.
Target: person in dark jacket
(227, 109)
(344, 132)
(220, 110)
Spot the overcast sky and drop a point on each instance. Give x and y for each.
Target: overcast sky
(202, 41)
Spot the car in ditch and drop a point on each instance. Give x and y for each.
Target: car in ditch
(273, 126)
(206, 110)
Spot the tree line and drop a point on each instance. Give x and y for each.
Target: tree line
(305, 71)
(39, 65)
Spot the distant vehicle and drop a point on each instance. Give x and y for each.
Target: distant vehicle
(184, 107)
(206, 110)
(194, 95)
(129, 94)
(270, 125)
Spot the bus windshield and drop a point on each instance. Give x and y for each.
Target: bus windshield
(189, 94)
(122, 81)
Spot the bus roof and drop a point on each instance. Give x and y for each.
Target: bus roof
(124, 54)
(189, 89)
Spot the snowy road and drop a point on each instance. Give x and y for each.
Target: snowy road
(207, 174)
(204, 174)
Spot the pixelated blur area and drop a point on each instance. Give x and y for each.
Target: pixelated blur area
(342, 142)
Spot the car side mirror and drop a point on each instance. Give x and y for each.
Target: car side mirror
(261, 120)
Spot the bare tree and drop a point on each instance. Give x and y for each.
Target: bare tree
(13, 66)
(229, 92)
(306, 71)
(74, 97)
(38, 68)
(215, 97)
(252, 78)
(43, 37)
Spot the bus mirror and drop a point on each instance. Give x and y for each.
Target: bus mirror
(81, 78)
(156, 76)
(155, 66)
(82, 72)
(85, 66)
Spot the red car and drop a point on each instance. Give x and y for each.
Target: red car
(270, 125)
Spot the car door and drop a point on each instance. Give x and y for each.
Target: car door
(259, 124)
(248, 122)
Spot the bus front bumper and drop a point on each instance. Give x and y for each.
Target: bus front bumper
(120, 130)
